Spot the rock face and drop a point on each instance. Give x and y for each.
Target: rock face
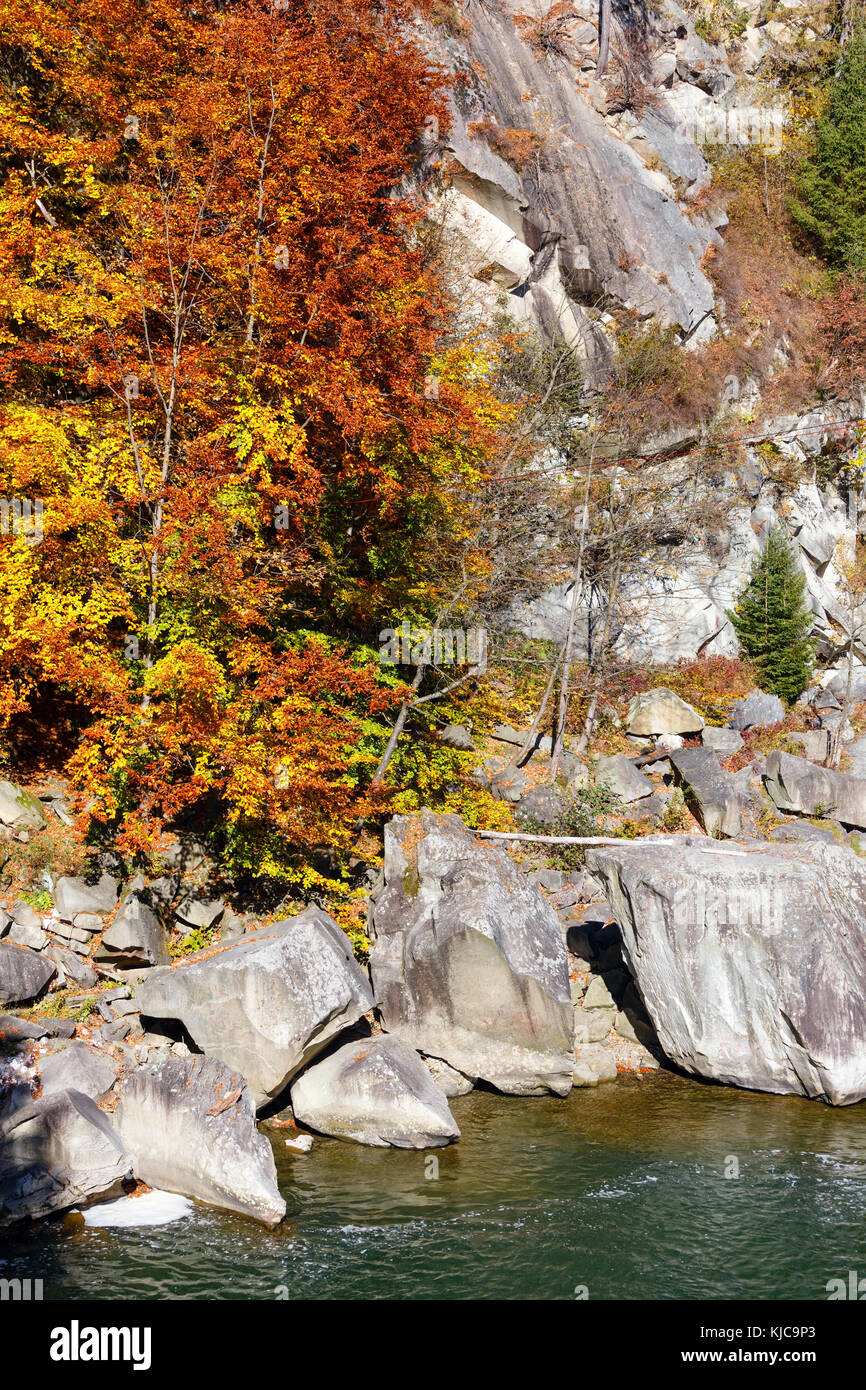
(469, 963)
(56, 1153)
(710, 791)
(751, 963)
(797, 785)
(135, 937)
(189, 1126)
(377, 1091)
(267, 1004)
(660, 711)
(23, 973)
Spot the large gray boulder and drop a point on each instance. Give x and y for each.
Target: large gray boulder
(626, 782)
(660, 711)
(267, 1004)
(74, 895)
(469, 963)
(76, 1068)
(24, 974)
(797, 785)
(20, 809)
(135, 937)
(751, 962)
(377, 1091)
(711, 793)
(189, 1126)
(58, 1152)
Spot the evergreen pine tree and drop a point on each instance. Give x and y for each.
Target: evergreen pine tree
(772, 619)
(831, 184)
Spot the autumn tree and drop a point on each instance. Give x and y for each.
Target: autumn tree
(217, 325)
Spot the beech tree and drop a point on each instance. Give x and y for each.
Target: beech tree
(217, 325)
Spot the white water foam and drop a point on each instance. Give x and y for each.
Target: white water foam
(150, 1209)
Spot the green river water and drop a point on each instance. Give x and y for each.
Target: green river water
(620, 1190)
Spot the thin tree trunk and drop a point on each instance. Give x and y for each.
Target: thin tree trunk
(590, 722)
(603, 37)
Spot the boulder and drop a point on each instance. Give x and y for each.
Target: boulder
(200, 912)
(24, 974)
(267, 1004)
(757, 711)
(750, 962)
(660, 711)
(784, 834)
(33, 937)
(711, 793)
(593, 1064)
(189, 1126)
(542, 805)
(58, 1152)
(377, 1091)
(74, 895)
(20, 809)
(469, 963)
(16, 1030)
(73, 967)
(76, 1068)
(797, 785)
(619, 774)
(724, 742)
(25, 916)
(135, 937)
(457, 736)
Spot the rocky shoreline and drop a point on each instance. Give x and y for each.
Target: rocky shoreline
(734, 955)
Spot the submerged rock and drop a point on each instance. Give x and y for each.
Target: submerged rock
(189, 1126)
(469, 963)
(377, 1091)
(751, 963)
(266, 1004)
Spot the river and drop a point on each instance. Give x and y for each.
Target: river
(616, 1192)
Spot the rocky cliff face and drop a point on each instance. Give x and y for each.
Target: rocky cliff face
(571, 198)
(568, 190)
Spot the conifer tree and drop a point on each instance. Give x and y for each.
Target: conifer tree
(772, 619)
(830, 204)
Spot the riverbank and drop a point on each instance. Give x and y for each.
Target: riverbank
(619, 1189)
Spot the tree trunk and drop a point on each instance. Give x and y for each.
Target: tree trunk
(603, 37)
